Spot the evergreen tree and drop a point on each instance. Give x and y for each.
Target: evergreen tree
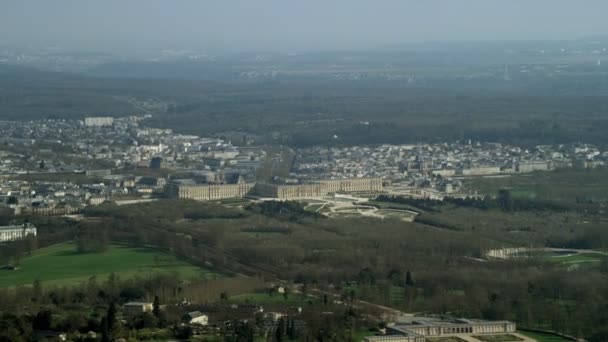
(280, 330)
(109, 326)
(156, 307)
(408, 279)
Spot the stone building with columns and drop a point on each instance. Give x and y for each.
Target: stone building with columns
(318, 188)
(13, 233)
(187, 188)
(428, 327)
(206, 192)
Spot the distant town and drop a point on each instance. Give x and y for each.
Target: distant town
(58, 167)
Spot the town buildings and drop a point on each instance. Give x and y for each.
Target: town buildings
(60, 166)
(98, 121)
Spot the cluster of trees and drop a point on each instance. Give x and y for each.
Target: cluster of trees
(425, 204)
(27, 308)
(503, 201)
(285, 210)
(377, 255)
(92, 239)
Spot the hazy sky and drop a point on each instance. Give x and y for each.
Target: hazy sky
(291, 24)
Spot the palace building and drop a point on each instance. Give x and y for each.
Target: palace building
(14, 233)
(206, 192)
(420, 328)
(187, 188)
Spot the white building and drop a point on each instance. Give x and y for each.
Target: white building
(13, 233)
(98, 121)
(134, 308)
(197, 317)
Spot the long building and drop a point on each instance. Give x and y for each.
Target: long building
(205, 192)
(420, 328)
(14, 233)
(431, 328)
(319, 188)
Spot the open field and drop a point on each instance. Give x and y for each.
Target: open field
(498, 338)
(313, 207)
(579, 258)
(566, 185)
(232, 202)
(62, 265)
(391, 205)
(445, 339)
(359, 335)
(542, 337)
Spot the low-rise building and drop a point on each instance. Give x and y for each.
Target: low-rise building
(440, 327)
(134, 308)
(98, 121)
(206, 192)
(198, 318)
(16, 232)
(533, 165)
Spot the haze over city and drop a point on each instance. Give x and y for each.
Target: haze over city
(242, 25)
(311, 171)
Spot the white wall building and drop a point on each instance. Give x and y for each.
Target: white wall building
(98, 121)
(13, 233)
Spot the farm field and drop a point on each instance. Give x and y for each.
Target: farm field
(541, 337)
(62, 265)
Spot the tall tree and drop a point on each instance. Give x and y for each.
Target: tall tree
(408, 279)
(156, 307)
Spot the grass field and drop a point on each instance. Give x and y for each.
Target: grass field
(313, 207)
(498, 338)
(561, 185)
(391, 205)
(542, 337)
(579, 258)
(232, 202)
(62, 265)
(445, 339)
(361, 334)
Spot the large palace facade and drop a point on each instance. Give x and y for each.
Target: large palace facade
(13, 233)
(205, 192)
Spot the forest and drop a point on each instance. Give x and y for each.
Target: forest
(436, 264)
(316, 110)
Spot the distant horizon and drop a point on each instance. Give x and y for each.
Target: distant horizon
(383, 47)
(277, 25)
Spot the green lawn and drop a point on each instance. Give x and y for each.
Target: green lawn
(542, 337)
(62, 265)
(579, 258)
(391, 205)
(313, 207)
(361, 334)
(232, 201)
(563, 185)
(445, 339)
(498, 338)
